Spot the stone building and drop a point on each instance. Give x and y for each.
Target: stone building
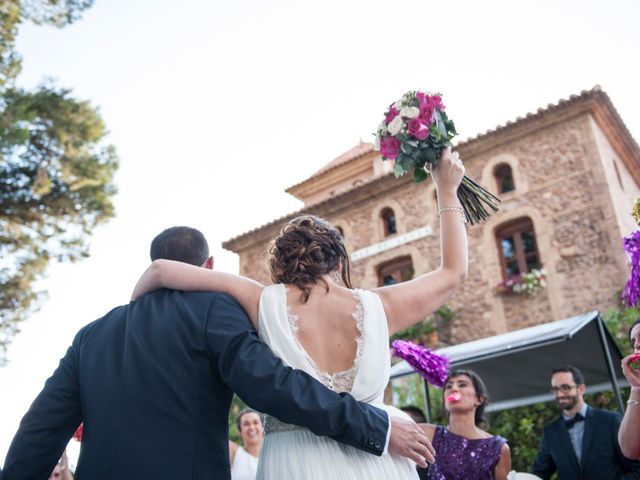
(567, 175)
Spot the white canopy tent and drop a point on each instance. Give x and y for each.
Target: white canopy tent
(516, 366)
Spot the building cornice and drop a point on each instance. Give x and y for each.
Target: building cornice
(333, 176)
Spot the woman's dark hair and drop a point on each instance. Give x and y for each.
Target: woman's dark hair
(481, 393)
(243, 412)
(637, 322)
(307, 248)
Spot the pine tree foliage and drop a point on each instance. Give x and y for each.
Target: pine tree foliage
(56, 172)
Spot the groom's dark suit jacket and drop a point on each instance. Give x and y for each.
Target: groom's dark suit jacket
(601, 455)
(153, 381)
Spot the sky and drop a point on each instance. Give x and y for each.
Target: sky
(216, 107)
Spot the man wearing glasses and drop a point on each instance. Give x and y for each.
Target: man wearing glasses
(583, 443)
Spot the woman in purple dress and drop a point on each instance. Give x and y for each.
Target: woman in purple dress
(463, 449)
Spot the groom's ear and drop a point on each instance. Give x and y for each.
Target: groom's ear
(208, 263)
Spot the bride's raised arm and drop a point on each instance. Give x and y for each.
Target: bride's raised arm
(183, 276)
(410, 302)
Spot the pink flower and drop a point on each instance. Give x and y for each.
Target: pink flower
(391, 114)
(418, 128)
(390, 147)
(436, 102)
(426, 114)
(428, 104)
(423, 99)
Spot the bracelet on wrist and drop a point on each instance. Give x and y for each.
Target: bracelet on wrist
(635, 403)
(460, 210)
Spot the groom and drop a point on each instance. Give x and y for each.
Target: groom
(153, 381)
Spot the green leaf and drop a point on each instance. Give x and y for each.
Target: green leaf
(451, 128)
(420, 175)
(406, 148)
(431, 155)
(440, 124)
(399, 169)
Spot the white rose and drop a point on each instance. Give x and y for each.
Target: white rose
(399, 105)
(396, 125)
(382, 128)
(409, 112)
(376, 143)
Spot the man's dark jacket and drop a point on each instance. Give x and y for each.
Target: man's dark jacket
(153, 382)
(601, 455)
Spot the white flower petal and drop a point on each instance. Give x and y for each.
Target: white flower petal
(396, 125)
(410, 112)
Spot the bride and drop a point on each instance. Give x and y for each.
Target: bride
(314, 321)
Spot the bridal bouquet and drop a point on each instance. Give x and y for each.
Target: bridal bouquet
(414, 131)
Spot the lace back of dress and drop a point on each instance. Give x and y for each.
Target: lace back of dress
(338, 381)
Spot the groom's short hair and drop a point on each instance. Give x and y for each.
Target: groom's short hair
(183, 244)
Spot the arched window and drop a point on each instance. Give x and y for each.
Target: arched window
(395, 271)
(388, 222)
(504, 178)
(518, 247)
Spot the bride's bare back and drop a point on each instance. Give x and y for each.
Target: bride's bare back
(326, 326)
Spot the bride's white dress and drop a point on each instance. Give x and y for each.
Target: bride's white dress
(290, 452)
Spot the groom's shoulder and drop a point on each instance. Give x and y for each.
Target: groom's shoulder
(210, 301)
(222, 296)
(110, 317)
(214, 299)
(165, 295)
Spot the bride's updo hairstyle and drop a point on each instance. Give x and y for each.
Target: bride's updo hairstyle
(307, 248)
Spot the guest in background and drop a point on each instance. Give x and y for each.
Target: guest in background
(463, 448)
(415, 413)
(61, 470)
(244, 458)
(583, 443)
(417, 416)
(629, 434)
